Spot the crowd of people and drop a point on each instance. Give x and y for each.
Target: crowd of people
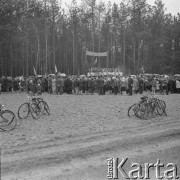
(102, 85)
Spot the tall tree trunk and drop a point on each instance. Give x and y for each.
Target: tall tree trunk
(138, 59)
(53, 26)
(134, 54)
(93, 26)
(73, 40)
(124, 51)
(73, 49)
(1, 62)
(111, 47)
(11, 60)
(46, 41)
(46, 38)
(16, 60)
(27, 57)
(38, 48)
(99, 47)
(23, 58)
(82, 59)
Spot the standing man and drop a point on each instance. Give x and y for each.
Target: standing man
(50, 84)
(101, 85)
(61, 85)
(154, 85)
(141, 84)
(68, 86)
(76, 85)
(130, 85)
(54, 85)
(58, 85)
(135, 85)
(39, 87)
(91, 86)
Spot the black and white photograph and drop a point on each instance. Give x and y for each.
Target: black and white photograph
(89, 89)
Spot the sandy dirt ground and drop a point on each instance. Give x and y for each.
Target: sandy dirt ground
(82, 132)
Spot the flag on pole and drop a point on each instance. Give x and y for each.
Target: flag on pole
(34, 71)
(56, 69)
(95, 62)
(142, 69)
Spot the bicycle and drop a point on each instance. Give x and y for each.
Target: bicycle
(29, 107)
(148, 105)
(36, 106)
(41, 104)
(159, 106)
(137, 109)
(8, 119)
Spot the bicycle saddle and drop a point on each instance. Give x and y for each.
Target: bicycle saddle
(144, 97)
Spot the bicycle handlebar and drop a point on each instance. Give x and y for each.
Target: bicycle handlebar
(1, 107)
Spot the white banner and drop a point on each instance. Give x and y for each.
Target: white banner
(99, 54)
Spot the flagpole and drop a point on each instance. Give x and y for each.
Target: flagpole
(55, 68)
(35, 73)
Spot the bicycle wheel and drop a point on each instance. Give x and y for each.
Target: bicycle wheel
(41, 107)
(163, 104)
(23, 111)
(152, 107)
(46, 108)
(161, 108)
(35, 111)
(8, 120)
(132, 110)
(143, 111)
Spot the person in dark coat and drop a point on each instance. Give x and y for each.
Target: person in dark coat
(171, 85)
(3, 88)
(50, 85)
(68, 84)
(80, 85)
(141, 83)
(15, 84)
(61, 85)
(115, 86)
(130, 85)
(83, 85)
(6, 84)
(91, 86)
(31, 85)
(86, 85)
(76, 85)
(39, 87)
(44, 84)
(101, 85)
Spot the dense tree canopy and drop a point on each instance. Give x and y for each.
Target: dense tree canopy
(41, 34)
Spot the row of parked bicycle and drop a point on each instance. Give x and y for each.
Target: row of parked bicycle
(148, 107)
(36, 107)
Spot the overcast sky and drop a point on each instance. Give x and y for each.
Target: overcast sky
(172, 6)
